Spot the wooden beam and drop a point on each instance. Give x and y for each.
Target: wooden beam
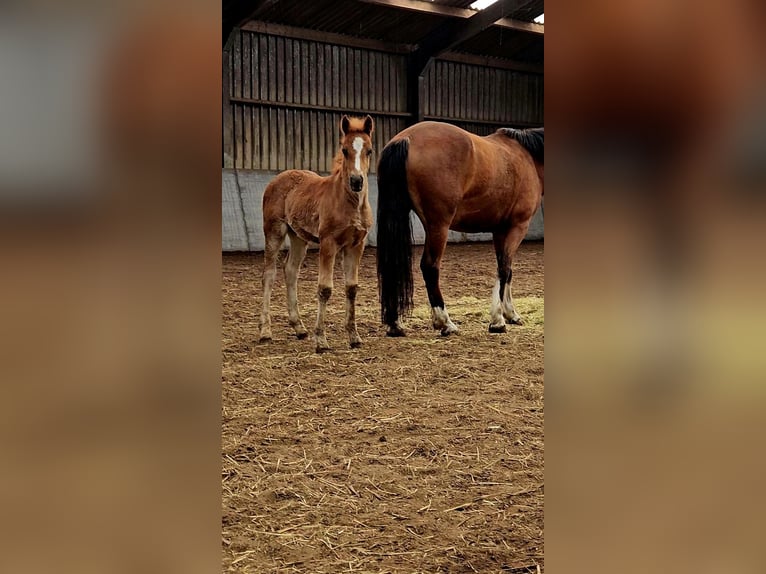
(490, 62)
(453, 32)
(314, 107)
(327, 37)
(241, 13)
(422, 7)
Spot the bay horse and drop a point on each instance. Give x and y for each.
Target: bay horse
(333, 211)
(453, 179)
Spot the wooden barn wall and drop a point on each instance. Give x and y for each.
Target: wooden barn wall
(284, 97)
(288, 96)
(481, 99)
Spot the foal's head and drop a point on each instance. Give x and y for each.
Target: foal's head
(356, 147)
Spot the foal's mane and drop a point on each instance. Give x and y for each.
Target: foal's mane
(337, 162)
(532, 139)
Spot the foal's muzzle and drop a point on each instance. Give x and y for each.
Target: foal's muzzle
(356, 182)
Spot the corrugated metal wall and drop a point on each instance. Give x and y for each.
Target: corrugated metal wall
(286, 97)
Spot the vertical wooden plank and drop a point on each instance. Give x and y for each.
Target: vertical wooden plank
(280, 69)
(353, 81)
(263, 67)
(237, 73)
(288, 70)
(297, 142)
(357, 79)
(312, 64)
(247, 110)
(320, 74)
(364, 85)
(336, 76)
(457, 109)
(329, 74)
(385, 104)
(403, 80)
(258, 144)
(315, 141)
(288, 137)
(448, 78)
(304, 72)
(295, 70)
(273, 139)
(491, 96)
(378, 88)
(372, 82)
(342, 77)
(237, 62)
(228, 117)
(321, 143)
(245, 51)
(463, 83)
(272, 53)
(281, 132)
(502, 97)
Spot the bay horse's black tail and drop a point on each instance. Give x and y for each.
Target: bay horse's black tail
(394, 233)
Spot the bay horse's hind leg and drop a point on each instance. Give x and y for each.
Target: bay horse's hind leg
(502, 309)
(351, 259)
(292, 269)
(430, 263)
(275, 235)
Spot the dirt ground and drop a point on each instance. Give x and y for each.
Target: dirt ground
(422, 454)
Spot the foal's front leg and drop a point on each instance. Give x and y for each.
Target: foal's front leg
(327, 251)
(351, 259)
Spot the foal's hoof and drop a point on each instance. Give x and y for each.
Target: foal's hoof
(264, 338)
(356, 344)
(301, 336)
(498, 329)
(321, 350)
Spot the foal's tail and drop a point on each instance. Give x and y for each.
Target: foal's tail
(394, 233)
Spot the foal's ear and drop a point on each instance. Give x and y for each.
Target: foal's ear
(369, 125)
(344, 125)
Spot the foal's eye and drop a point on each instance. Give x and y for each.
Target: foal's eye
(369, 152)
(345, 152)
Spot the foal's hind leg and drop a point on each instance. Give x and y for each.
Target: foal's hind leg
(502, 309)
(436, 241)
(327, 251)
(275, 235)
(351, 258)
(292, 269)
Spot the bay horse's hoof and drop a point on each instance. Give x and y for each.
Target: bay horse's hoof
(356, 344)
(449, 330)
(514, 319)
(302, 336)
(321, 350)
(498, 329)
(264, 339)
(395, 331)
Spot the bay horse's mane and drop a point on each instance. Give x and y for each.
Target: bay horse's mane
(532, 139)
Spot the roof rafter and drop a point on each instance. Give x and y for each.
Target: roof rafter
(454, 32)
(423, 7)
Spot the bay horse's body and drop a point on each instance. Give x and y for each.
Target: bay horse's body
(333, 211)
(453, 179)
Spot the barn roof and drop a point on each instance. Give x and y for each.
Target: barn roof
(407, 23)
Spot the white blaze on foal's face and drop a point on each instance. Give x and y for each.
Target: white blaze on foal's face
(358, 145)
